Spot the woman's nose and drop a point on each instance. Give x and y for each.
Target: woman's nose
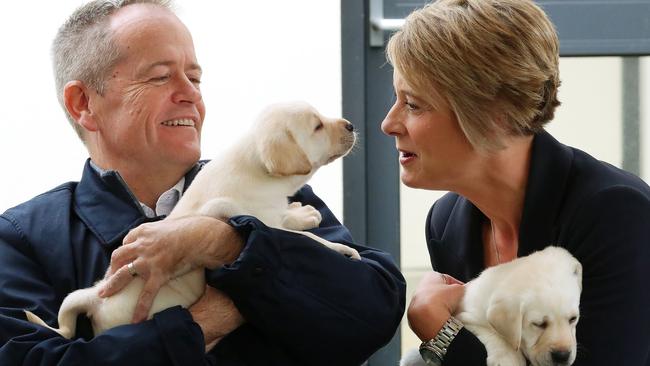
(391, 125)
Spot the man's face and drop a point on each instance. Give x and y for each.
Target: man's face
(151, 112)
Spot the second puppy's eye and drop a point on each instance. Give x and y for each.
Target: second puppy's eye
(319, 126)
(541, 325)
(573, 319)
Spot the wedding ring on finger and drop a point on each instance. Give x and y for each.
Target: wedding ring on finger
(131, 268)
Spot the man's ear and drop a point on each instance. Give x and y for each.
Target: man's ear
(505, 315)
(77, 102)
(282, 156)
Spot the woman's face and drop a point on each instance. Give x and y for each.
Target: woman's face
(433, 150)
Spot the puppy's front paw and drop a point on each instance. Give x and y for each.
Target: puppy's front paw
(299, 217)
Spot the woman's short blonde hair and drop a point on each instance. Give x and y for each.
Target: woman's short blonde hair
(495, 62)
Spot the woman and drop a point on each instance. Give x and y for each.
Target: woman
(476, 81)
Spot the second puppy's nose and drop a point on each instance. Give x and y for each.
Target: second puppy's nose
(349, 126)
(560, 357)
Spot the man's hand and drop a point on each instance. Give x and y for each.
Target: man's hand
(434, 301)
(167, 249)
(217, 316)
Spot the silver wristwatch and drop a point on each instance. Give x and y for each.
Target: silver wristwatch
(433, 351)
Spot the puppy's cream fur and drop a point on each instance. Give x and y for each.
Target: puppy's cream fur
(524, 309)
(287, 144)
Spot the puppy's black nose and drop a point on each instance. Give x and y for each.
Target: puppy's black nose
(349, 126)
(560, 357)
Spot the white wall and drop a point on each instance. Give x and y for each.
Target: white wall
(645, 117)
(253, 53)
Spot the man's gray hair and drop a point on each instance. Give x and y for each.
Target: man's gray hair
(84, 49)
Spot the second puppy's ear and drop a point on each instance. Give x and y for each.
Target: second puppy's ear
(505, 315)
(282, 156)
(577, 272)
(76, 98)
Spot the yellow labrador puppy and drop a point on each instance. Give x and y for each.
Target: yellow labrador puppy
(524, 309)
(286, 145)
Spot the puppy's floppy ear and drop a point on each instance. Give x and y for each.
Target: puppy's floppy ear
(577, 272)
(505, 315)
(282, 156)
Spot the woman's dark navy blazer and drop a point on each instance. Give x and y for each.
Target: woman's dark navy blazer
(601, 214)
(304, 303)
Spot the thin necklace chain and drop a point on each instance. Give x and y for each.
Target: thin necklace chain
(494, 243)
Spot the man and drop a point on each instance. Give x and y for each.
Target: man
(128, 79)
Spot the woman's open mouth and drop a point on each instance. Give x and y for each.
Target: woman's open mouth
(406, 157)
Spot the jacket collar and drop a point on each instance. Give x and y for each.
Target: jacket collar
(108, 208)
(550, 167)
(549, 171)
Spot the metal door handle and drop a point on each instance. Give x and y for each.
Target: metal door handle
(378, 24)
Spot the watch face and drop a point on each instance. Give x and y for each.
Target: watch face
(429, 357)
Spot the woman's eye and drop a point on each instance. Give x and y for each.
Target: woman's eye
(411, 106)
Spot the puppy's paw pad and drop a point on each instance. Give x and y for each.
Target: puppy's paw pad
(300, 217)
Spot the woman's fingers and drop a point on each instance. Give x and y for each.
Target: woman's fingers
(434, 301)
(450, 280)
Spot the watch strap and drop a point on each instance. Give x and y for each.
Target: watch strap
(439, 345)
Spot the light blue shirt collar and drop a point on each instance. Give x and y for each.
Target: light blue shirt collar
(166, 201)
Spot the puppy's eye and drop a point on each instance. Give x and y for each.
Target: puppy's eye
(319, 126)
(541, 325)
(573, 319)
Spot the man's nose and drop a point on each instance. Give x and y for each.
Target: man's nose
(187, 92)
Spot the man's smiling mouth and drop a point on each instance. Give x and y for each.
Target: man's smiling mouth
(179, 122)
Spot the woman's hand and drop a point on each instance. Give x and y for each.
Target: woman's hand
(167, 249)
(434, 301)
(217, 316)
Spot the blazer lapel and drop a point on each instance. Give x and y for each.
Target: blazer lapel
(458, 251)
(550, 166)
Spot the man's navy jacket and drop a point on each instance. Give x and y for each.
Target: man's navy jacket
(304, 304)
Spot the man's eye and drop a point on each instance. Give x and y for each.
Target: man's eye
(160, 78)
